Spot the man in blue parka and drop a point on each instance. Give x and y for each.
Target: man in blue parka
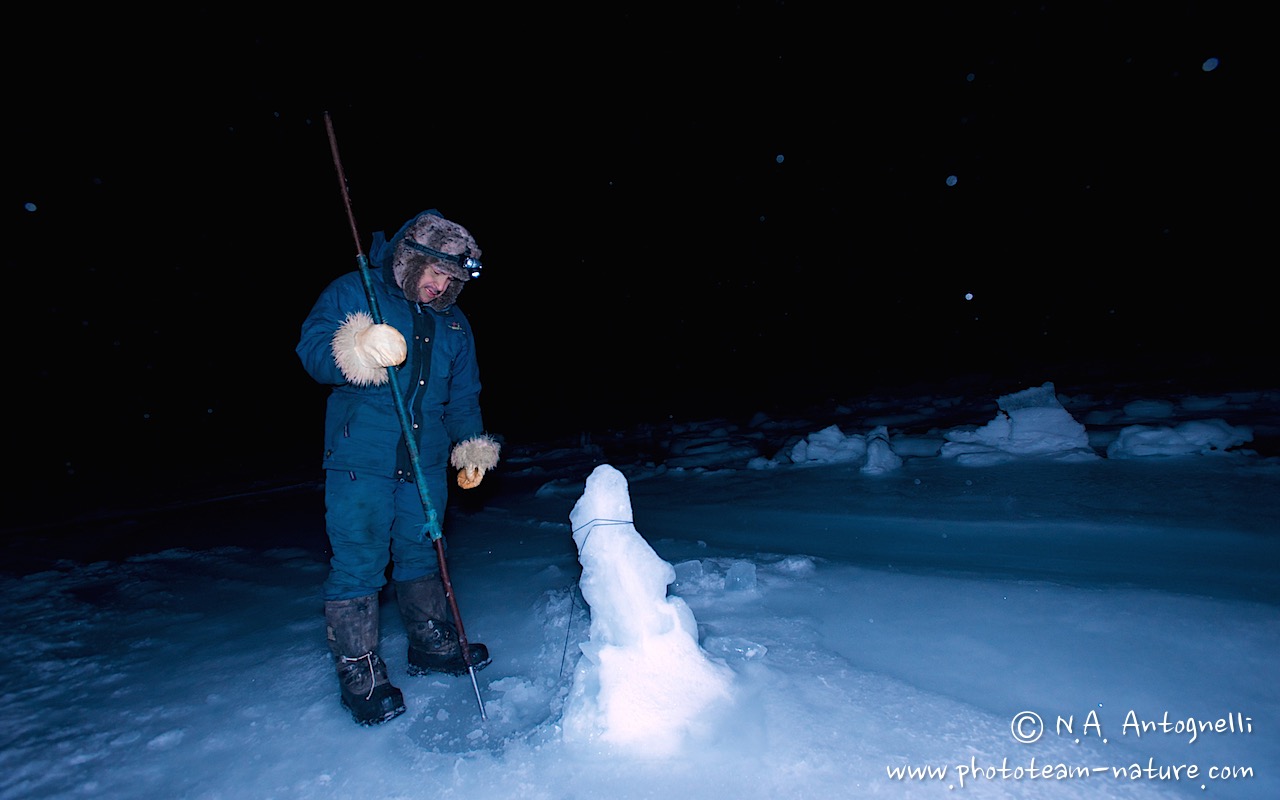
(373, 510)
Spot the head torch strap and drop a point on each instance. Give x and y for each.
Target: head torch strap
(463, 259)
(431, 251)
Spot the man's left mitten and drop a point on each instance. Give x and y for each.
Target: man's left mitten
(473, 458)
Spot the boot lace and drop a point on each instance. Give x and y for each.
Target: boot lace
(368, 658)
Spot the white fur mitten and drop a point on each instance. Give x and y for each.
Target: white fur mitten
(473, 457)
(363, 350)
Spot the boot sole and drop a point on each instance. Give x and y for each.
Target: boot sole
(417, 671)
(389, 714)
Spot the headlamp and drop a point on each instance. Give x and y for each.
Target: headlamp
(471, 266)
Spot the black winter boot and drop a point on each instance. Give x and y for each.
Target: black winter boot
(433, 642)
(353, 639)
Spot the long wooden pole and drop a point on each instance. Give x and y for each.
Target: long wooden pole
(432, 528)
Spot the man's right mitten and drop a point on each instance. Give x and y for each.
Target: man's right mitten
(363, 350)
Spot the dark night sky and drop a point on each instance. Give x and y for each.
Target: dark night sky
(647, 253)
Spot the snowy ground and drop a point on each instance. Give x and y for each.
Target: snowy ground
(889, 593)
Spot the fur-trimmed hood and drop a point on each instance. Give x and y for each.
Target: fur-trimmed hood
(428, 240)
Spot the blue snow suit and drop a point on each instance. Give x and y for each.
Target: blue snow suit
(372, 505)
